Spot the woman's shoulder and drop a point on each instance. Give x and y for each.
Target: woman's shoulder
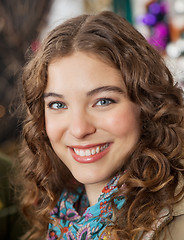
(169, 226)
(174, 230)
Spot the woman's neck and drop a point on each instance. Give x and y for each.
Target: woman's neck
(94, 190)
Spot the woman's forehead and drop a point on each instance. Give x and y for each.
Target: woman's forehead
(82, 70)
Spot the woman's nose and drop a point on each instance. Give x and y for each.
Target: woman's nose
(81, 125)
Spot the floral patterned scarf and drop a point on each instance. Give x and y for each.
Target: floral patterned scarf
(86, 222)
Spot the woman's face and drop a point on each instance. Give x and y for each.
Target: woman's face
(92, 125)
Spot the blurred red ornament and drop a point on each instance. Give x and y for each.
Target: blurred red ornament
(35, 45)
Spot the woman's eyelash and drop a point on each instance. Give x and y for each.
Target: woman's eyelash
(56, 105)
(105, 101)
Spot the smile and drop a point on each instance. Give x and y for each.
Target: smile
(92, 151)
(90, 154)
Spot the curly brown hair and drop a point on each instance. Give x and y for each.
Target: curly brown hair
(154, 168)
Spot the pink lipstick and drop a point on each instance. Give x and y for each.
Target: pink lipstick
(90, 153)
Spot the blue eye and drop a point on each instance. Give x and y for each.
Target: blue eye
(105, 102)
(57, 105)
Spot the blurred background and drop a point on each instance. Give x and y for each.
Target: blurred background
(24, 24)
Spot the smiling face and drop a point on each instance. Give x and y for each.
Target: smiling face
(91, 124)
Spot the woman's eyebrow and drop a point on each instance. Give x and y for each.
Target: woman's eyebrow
(106, 89)
(90, 93)
(51, 94)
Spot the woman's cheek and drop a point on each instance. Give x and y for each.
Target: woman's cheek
(123, 122)
(52, 129)
(117, 124)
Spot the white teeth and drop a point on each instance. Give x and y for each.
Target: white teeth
(88, 153)
(92, 151)
(97, 149)
(82, 153)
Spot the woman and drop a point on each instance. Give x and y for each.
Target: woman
(103, 150)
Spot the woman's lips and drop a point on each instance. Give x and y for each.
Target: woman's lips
(89, 154)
